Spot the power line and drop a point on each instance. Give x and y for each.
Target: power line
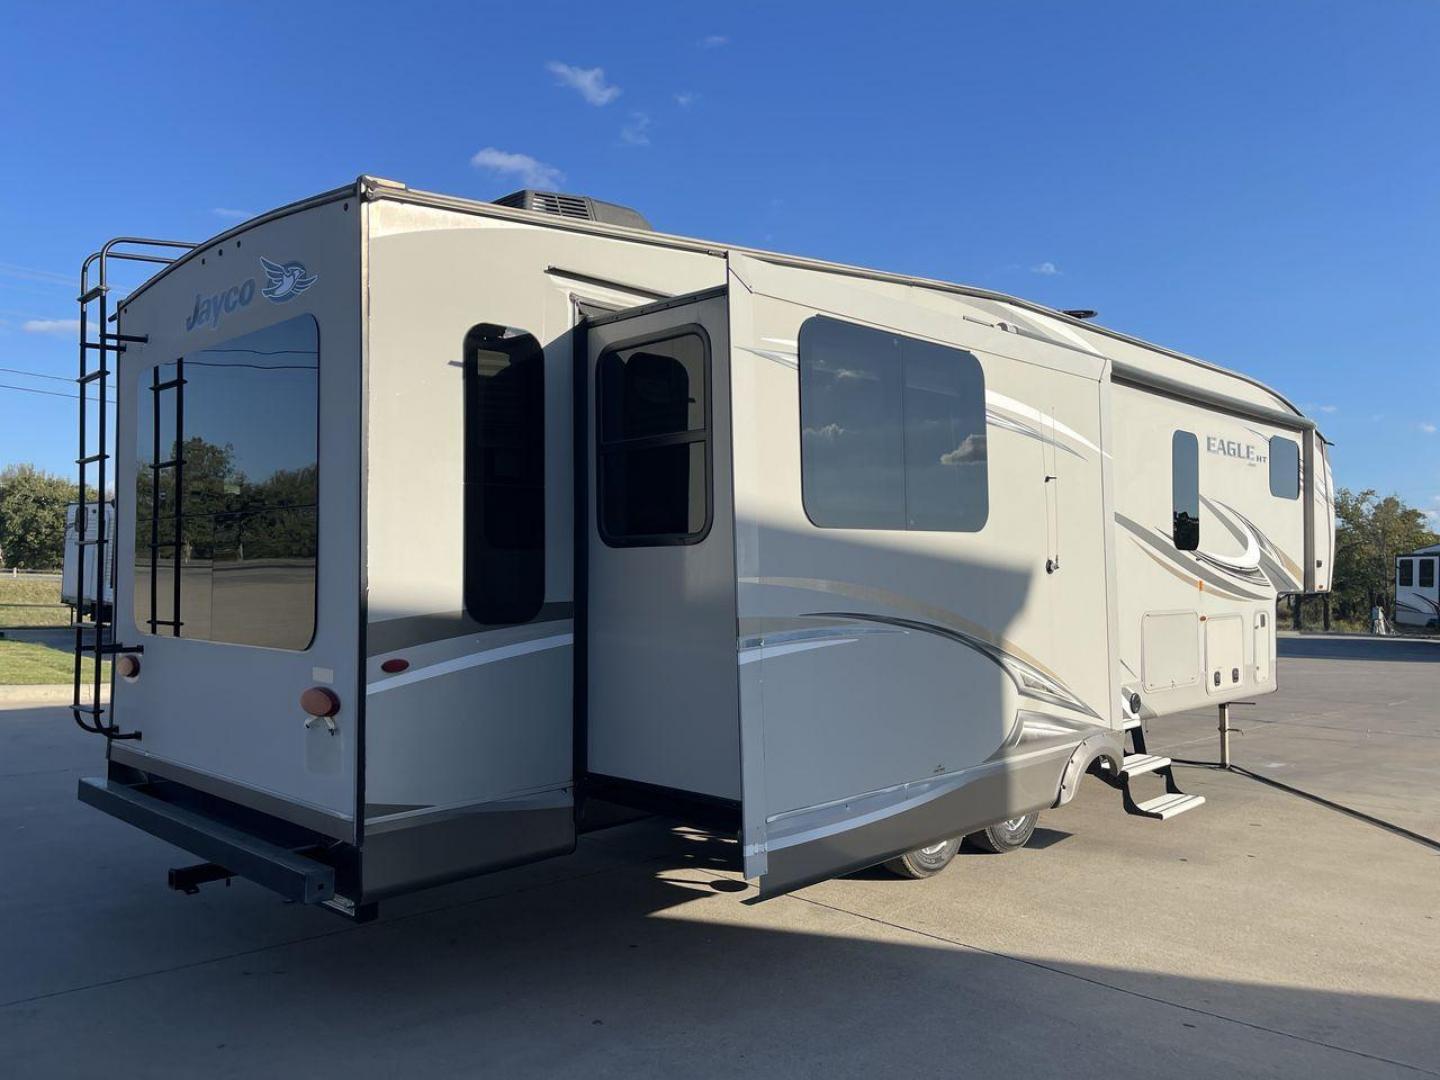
(51, 393)
(37, 374)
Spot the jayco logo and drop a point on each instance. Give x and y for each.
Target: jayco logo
(209, 310)
(1232, 449)
(284, 282)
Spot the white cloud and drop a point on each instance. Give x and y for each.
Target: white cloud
(588, 82)
(637, 131)
(1327, 408)
(970, 451)
(1048, 268)
(522, 167)
(68, 327)
(714, 41)
(1429, 429)
(232, 215)
(685, 99)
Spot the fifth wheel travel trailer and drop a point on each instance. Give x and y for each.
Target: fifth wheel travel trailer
(444, 523)
(78, 562)
(1417, 588)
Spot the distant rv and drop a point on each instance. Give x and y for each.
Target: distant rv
(80, 584)
(1417, 588)
(469, 522)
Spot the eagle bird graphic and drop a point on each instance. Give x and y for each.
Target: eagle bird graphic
(286, 281)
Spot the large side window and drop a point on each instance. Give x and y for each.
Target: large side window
(1284, 468)
(653, 480)
(227, 490)
(1405, 575)
(892, 431)
(1427, 573)
(1185, 490)
(504, 475)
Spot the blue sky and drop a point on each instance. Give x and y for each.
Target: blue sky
(1257, 184)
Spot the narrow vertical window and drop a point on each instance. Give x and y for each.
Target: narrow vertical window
(1185, 490)
(1406, 572)
(1284, 468)
(504, 475)
(1427, 573)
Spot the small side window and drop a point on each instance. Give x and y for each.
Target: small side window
(504, 475)
(1405, 575)
(1185, 490)
(1284, 468)
(1427, 573)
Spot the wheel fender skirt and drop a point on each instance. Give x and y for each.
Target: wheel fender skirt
(1103, 744)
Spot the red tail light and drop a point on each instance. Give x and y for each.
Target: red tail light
(318, 701)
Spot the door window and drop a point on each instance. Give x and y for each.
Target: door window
(654, 468)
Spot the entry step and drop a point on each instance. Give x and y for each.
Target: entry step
(1138, 764)
(1169, 805)
(1131, 724)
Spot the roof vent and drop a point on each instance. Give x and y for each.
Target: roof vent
(579, 207)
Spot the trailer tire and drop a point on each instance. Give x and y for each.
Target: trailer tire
(924, 862)
(1005, 836)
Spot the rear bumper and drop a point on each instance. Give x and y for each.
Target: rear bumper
(286, 871)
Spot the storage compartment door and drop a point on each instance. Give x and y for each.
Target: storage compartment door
(1224, 653)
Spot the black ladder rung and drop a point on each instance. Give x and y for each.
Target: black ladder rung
(166, 464)
(100, 346)
(92, 458)
(98, 373)
(138, 339)
(114, 650)
(91, 541)
(94, 294)
(165, 622)
(90, 710)
(169, 385)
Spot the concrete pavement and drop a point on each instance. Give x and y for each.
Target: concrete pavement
(1261, 935)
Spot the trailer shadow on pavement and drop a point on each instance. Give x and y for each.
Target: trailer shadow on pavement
(1262, 935)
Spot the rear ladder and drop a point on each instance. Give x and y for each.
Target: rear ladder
(94, 627)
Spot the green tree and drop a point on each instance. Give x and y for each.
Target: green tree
(1369, 533)
(32, 517)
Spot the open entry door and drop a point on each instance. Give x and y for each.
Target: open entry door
(658, 726)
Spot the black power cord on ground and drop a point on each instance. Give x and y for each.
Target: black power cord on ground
(1329, 804)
